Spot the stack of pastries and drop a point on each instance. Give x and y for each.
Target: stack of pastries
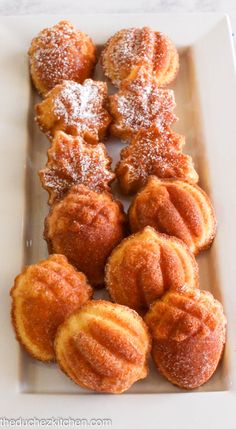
(145, 258)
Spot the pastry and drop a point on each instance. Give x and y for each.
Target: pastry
(140, 47)
(85, 226)
(188, 330)
(79, 110)
(154, 151)
(43, 295)
(103, 347)
(145, 265)
(59, 53)
(176, 208)
(140, 103)
(70, 161)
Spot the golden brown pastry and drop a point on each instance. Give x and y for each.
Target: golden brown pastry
(79, 110)
(103, 347)
(43, 295)
(59, 53)
(85, 226)
(73, 161)
(176, 208)
(155, 151)
(139, 104)
(140, 47)
(188, 330)
(145, 265)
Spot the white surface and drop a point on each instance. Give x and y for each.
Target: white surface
(15, 7)
(216, 91)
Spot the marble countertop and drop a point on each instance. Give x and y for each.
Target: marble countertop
(22, 7)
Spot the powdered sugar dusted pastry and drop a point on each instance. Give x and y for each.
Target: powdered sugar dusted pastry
(70, 161)
(59, 53)
(145, 265)
(44, 294)
(188, 330)
(155, 151)
(85, 226)
(176, 208)
(79, 110)
(139, 104)
(103, 347)
(140, 47)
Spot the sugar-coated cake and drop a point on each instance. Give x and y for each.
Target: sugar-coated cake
(176, 208)
(103, 347)
(85, 226)
(188, 327)
(59, 53)
(43, 295)
(147, 264)
(140, 47)
(79, 110)
(73, 161)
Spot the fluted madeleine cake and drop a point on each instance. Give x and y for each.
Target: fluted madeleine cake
(176, 208)
(188, 327)
(140, 47)
(145, 265)
(103, 347)
(43, 295)
(85, 226)
(59, 53)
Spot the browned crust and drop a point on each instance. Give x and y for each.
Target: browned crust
(167, 239)
(122, 223)
(210, 239)
(81, 46)
(188, 328)
(56, 193)
(18, 335)
(164, 61)
(112, 389)
(50, 122)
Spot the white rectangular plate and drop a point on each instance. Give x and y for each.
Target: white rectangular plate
(205, 92)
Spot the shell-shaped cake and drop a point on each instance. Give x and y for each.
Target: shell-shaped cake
(188, 327)
(155, 151)
(85, 226)
(79, 110)
(176, 208)
(43, 295)
(73, 161)
(145, 265)
(140, 47)
(103, 347)
(59, 53)
(140, 103)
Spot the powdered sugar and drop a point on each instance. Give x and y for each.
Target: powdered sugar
(77, 109)
(154, 152)
(72, 161)
(140, 103)
(56, 54)
(135, 47)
